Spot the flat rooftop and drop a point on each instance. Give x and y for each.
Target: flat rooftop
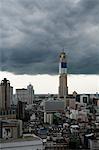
(24, 138)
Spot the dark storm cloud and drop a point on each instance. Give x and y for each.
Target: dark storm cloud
(33, 33)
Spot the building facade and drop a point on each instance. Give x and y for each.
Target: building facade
(21, 95)
(63, 88)
(6, 94)
(30, 92)
(25, 95)
(10, 129)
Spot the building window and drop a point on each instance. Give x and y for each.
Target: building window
(84, 99)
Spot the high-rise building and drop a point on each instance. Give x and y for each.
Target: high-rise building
(6, 92)
(30, 92)
(11, 95)
(22, 95)
(63, 88)
(21, 110)
(25, 95)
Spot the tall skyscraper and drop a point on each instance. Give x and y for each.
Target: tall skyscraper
(63, 88)
(6, 92)
(30, 91)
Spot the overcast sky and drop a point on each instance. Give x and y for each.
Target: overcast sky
(34, 32)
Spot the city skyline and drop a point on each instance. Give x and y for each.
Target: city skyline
(33, 33)
(44, 84)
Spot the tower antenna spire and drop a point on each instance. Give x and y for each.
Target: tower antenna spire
(63, 50)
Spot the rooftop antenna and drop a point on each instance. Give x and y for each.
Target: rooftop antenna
(64, 50)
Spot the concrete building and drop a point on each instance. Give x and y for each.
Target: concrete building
(21, 110)
(84, 99)
(63, 88)
(7, 114)
(10, 129)
(98, 103)
(6, 94)
(15, 100)
(70, 101)
(30, 92)
(22, 95)
(25, 95)
(52, 106)
(11, 95)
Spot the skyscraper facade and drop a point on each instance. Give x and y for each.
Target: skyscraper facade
(63, 88)
(6, 92)
(30, 92)
(25, 95)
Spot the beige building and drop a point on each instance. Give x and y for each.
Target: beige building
(63, 89)
(6, 93)
(25, 95)
(22, 95)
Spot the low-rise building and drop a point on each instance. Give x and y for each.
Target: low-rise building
(51, 106)
(10, 129)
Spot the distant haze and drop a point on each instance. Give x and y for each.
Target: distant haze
(44, 84)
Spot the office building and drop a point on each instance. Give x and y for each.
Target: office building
(6, 94)
(30, 92)
(25, 95)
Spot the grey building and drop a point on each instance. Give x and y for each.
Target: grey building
(6, 93)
